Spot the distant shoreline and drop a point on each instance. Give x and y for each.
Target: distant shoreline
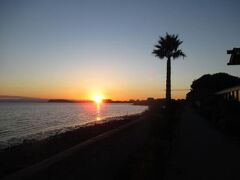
(148, 101)
(82, 101)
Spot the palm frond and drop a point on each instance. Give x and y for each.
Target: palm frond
(178, 54)
(168, 47)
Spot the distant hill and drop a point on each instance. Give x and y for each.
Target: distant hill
(7, 98)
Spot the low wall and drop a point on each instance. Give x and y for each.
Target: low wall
(98, 158)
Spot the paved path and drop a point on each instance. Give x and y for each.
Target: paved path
(201, 152)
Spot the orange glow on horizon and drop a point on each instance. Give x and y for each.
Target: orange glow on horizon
(97, 94)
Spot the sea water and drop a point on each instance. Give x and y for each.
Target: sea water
(26, 120)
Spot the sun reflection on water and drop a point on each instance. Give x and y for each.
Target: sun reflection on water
(98, 118)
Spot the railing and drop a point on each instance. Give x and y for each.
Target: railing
(230, 93)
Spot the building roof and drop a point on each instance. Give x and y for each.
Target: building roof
(235, 56)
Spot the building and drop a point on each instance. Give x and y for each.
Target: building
(235, 56)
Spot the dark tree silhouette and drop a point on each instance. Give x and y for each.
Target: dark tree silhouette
(205, 87)
(168, 47)
(215, 82)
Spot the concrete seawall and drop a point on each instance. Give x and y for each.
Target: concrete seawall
(97, 158)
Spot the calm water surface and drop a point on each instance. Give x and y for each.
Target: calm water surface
(19, 121)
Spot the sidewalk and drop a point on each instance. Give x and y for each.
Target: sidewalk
(201, 152)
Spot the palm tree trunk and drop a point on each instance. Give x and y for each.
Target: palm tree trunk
(168, 81)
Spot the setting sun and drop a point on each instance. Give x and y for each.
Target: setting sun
(98, 99)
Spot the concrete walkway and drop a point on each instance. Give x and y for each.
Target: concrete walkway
(200, 152)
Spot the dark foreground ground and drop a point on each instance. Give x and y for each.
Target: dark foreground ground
(183, 145)
(202, 151)
(150, 161)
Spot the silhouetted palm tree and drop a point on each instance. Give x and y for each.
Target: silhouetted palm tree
(168, 47)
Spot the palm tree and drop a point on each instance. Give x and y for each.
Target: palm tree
(168, 47)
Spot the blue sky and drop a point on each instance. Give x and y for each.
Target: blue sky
(74, 49)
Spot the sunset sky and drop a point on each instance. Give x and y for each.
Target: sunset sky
(78, 49)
